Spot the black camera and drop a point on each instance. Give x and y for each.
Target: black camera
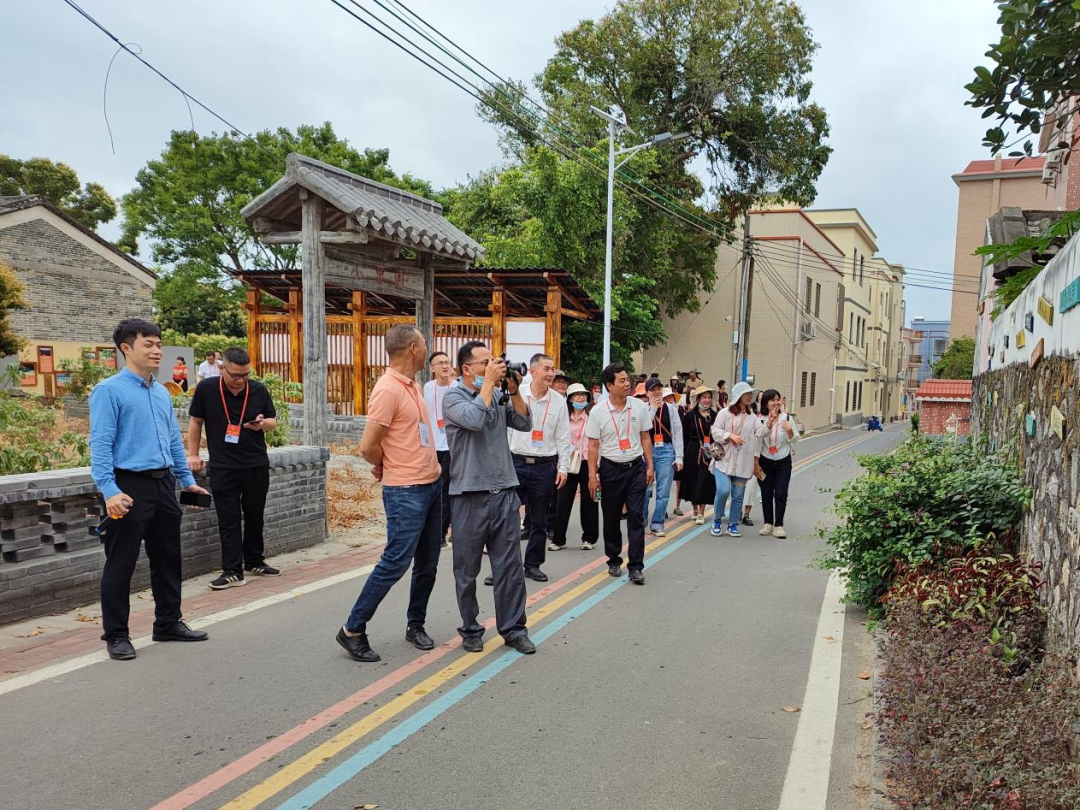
(514, 371)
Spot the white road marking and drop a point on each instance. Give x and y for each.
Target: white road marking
(806, 786)
(64, 667)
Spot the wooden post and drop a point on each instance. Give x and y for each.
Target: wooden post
(425, 310)
(553, 324)
(498, 321)
(296, 365)
(254, 338)
(359, 313)
(314, 303)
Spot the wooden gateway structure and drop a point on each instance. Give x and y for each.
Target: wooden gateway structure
(374, 256)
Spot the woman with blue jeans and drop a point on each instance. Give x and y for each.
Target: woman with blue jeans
(667, 453)
(739, 432)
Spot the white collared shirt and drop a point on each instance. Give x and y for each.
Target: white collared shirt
(611, 427)
(550, 435)
(433, 396)
(777, 437)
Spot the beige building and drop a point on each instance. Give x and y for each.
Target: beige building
(985, 187)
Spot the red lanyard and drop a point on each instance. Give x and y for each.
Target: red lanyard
(611, 413)
(546, 409)
(658, 421)
(243, 410)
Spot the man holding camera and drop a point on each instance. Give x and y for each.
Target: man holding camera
(237, 413)
(483, 492)
(541, 458)
(136, 460)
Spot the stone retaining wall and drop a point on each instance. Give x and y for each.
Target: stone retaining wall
(1005, 403)
(49, 562)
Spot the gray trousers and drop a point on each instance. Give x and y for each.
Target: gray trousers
(489, 519)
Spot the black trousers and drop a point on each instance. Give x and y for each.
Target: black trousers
(535, 482)
(774, 489)
(240, 500)
(444, 482)
(622, 483)
(154, 517)
(577, 484)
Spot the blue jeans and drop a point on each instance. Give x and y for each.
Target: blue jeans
(413, 535)
(728, 485)
(663, 458)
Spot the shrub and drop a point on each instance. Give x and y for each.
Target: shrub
(915, 423)
(35, 437)
(84, 374)
(929, 499)
(965, 729)
(281, 393)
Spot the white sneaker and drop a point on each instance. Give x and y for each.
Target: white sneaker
(659, 533)
(554, 547)
(766, 530)
(699, 520)
(779, 532)
(586, 546)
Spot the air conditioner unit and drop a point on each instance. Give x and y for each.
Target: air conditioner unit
(1055, 157)
(1049, 175)
(809, 330)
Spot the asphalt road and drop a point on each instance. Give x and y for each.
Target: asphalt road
(667, 696)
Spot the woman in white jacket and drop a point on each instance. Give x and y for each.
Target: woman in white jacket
(739, 432)
(775, 460)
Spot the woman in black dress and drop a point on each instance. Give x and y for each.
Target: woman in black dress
(698, 483)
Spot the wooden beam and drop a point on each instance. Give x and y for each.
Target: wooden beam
(267, 224)
(553, 324)
(254, 339)
(326, 237)
(359, 312)
(567, 293)
(425, 309)
(296, 363)
(449, 300)
(498, 321)
(314, 304)
(573, 313)
(393, 277)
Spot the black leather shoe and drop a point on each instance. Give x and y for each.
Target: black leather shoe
(473, 644)
(120, 649)
(614, 570)
(523, 644)
(418, 638)
(179, 632)
(536, 575)
(746, 521)
(357, 647)
(637, 577)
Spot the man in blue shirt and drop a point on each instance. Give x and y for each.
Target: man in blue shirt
(136, 459)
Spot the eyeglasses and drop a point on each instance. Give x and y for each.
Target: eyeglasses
(237, 376)
(483, 363)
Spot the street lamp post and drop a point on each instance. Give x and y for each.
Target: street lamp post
(614, 124)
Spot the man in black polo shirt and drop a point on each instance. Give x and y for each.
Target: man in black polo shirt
(237, 411)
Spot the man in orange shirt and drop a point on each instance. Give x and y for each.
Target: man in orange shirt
(399, 441)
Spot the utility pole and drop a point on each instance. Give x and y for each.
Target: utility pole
(746, 297)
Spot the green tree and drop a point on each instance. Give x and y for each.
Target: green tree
(191, 299)
(11, 297)
(958, 360)
(89, 204)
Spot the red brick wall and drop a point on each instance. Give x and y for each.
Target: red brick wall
(935, 415)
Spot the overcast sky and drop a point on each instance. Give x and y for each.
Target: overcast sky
(890, 75)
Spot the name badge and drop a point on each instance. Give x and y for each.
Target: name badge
(624, 445)
(658, 440)
(708, 441)
(773, 449)
(537, 438)
(425, 438)
(232, 434)
(442, 425)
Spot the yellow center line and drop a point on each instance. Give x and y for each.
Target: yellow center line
(334, 746)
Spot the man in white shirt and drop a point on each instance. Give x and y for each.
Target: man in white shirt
(620, 459)
(442, 373)
(667, 452)
(208, 368)
(541, 457)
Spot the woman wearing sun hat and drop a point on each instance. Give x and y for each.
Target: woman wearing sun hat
(577, 477)
(698, 485)
(738, 430)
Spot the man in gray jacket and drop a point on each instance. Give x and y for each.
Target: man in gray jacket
(483, 492)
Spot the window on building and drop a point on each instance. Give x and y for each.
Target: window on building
(802, 393)
(817, 300)
(847, 397)
(855, 264)
(813, 387)
(858, 407)
(851, 327)
(940, 344)
(862, 269)
(809, 289)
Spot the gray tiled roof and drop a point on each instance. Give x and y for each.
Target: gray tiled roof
(386, 212)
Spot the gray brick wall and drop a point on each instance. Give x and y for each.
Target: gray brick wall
(74, 293)
(49, 562)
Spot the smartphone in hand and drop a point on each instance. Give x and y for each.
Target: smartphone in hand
(195, 499)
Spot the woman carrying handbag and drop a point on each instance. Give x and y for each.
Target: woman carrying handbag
(737, 432)
(577, 477)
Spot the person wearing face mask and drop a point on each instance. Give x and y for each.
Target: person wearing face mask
(781, 433)
(484, 493)
(738, 431)
(399, 443)
(698, 485)
(577, 477)
(667, 453)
